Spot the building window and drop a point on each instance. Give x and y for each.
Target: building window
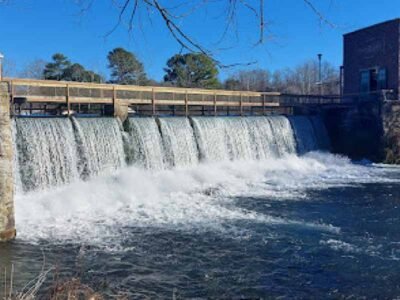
(373, 80)
(382, 79)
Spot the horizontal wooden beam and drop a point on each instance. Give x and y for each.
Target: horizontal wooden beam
(173, 90)
(131, 101)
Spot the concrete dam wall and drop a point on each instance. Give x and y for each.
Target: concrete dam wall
(365, 131)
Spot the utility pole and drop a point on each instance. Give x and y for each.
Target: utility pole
(320, 73)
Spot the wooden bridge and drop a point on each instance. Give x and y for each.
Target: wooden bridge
(29, 96)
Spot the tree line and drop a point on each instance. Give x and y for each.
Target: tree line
(191, 70)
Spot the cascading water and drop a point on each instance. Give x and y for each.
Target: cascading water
(238, 138)
(211, 138)
(321, 133)
(283, 135)
(304, 133)
(179, 143)
(100, 145)
(46, 152)
(51, 151)
(143, 145)
(244, 138)
(262, 139)
(17, 176)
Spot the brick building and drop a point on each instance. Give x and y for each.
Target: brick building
(371, 58)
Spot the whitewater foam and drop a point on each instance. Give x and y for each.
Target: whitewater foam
(201, 197)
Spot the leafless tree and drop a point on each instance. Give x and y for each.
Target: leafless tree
(304, 79)
(33, 69)
(9, 68)
(250, 80)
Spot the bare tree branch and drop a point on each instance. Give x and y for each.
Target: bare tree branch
(321, 17)
(183, 9)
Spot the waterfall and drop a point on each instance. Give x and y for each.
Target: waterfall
(143, 145)
(179, 143)
(211, 138)
(55, 151)
(243, 138)
(304, 133)
(262, 141)
(46, 152)
(238, 138)
(283, 135)
(100, 145)
(321, 133)
(18, 188)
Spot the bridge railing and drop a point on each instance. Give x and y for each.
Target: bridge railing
(61, 96)
(299, 100)
(63, 92)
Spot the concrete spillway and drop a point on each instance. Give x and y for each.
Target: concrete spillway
(50, 152)
(56, 151)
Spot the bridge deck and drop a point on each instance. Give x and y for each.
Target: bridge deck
(66, 94)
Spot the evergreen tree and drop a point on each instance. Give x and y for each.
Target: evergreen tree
(54, 70)
(193, 70)
(62, 69)
(126, 68)
(77, 72)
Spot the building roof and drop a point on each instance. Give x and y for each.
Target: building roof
(397, 20)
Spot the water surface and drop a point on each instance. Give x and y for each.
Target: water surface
(316, 226)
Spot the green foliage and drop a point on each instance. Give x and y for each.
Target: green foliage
(192, 70)
(54, 70)
(62, 69)
(77, 72)
(126, 68)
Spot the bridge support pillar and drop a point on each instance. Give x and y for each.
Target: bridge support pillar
(7, 223)
(120, 111)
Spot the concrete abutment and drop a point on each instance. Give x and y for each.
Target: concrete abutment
(7, 220)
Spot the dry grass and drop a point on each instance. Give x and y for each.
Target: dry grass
(71, 289)
(29, 291)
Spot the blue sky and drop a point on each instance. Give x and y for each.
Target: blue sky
(35, 29)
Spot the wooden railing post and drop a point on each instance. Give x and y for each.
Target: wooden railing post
(153, 102)
(67, 99)
(114, 96)
(186, 103)
(263, 104)
(202, 106)
(215, 104)
(241, 104)
(173, 106)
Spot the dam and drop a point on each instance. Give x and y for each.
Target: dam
(57, 133)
